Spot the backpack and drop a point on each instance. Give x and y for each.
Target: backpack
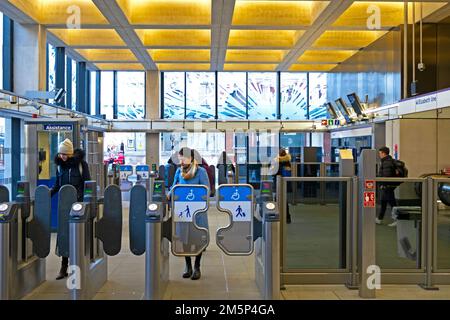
(400, 169)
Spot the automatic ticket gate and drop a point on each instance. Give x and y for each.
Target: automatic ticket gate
(151, 228)
(24, 240)
(87, 235)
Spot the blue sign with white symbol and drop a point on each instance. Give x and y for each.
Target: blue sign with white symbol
(237, 199)
(125, 171)
(143, 171)
(58, 127)
(188, 199)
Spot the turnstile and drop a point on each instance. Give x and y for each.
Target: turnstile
(87, 235)
(151, 229)
(24, 240)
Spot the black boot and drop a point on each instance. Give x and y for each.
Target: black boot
(63, 271)
(188, 269)
(197, 274)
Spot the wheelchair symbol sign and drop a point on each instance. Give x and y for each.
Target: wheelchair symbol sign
(235, 196)
(190, 196)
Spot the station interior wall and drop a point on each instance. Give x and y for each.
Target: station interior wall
(423, 143)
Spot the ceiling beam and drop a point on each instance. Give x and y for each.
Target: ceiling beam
(70, 52)
(15, 14)
(436, 16)
(222, 15)
(322, 22)
(113, 13)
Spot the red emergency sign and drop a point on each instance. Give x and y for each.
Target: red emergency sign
(369, 185)
(369, 199)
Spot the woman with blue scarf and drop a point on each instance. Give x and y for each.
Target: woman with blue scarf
(191, 173)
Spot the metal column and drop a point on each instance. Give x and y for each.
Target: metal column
(271, 258)
(366, 230)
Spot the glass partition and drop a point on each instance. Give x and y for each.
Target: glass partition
(398, 237)
(316, 238)
(443, 226)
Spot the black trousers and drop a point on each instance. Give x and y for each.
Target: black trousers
(387, 197)
(65, 261)
(196, 263)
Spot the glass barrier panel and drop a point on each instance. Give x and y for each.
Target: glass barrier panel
(443, 226)
(399, 234)
(316, 236)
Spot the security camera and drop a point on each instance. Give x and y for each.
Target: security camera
(421, 66)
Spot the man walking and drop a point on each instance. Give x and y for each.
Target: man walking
(386, 170)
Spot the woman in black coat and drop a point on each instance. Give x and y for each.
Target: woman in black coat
(71, 169)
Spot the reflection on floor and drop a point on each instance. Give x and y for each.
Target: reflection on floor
(223, 277)
(387, 292)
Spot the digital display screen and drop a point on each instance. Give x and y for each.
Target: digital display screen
(21, 189)
(356, 104)
(344, 110)
(153, 167)
(331, 111)
(157, 187)
(88, 190)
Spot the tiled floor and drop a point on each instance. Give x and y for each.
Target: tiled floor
(223, 277)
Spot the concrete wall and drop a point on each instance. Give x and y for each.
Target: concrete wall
(30, 58)
(423, 144)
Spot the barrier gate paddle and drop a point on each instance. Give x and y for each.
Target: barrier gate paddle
(188, 202)
(237, 200)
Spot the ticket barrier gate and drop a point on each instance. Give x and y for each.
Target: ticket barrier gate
(24, 240)
(189, 237)
(87, 235)
(150, 230)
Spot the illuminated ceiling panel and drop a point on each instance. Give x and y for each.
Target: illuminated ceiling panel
(263, 38)
(255, 55)
(249, 67)
(312, 67)
(272, 13)
(119, 66)
(324, 56)
(183, 66)
(167, 12)
(359, 13)
(94, 55)
(61, 11)
(175, 38)
(162, 55)
(347, 39)
(89, 37)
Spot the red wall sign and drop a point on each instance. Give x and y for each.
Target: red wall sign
(369, 185)
(369, 199)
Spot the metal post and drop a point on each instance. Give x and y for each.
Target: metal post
(322, 184)
(428, 236)
(153, 289)
(366, 236)
(4, 261)
(271, 255)
(77, 258)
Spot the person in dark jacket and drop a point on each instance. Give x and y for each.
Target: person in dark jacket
(71, 168)
(386, 170)
(281, 166)
(202, 163)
